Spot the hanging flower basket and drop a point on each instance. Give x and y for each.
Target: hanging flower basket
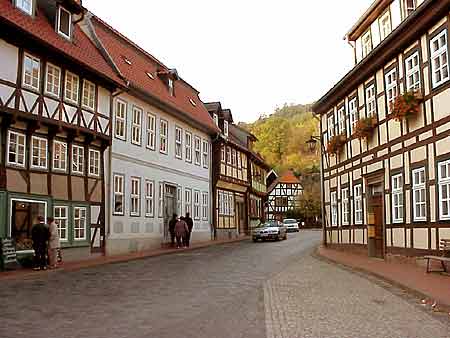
(406, 105)
(364, 127)
(336, 144)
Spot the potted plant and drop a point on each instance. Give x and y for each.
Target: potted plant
(406, 105)
(335, 144)
(364, 127)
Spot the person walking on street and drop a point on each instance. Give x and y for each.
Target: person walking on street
(54, 241)
(181, 230)
(40, 234)
(190, 224)
(172, 223)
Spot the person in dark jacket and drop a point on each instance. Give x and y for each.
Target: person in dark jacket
(190, 225)
(40, 234)
(172, 223)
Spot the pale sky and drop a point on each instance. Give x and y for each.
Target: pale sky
(251, 55)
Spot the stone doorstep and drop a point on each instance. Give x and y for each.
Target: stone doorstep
(103, 260)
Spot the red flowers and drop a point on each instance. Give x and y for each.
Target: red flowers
(364, 127)
(335, 144)
(406, 105)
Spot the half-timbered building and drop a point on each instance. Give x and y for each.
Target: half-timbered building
(283, 196)
(386, 126)
(55, 130)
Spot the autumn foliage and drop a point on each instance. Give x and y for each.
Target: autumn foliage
(335, 144)
(406, 106)
(364, 127)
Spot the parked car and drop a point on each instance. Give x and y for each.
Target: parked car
(291, 225)
(272, 230)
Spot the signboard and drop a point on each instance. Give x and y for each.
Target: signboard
(8, 252)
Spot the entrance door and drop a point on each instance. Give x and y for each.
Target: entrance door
(375, 211)
(170, 208)
(24, 214)
(240, 218)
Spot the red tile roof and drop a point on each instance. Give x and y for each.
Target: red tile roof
(80, 49)
(288, 177)
(134, 63)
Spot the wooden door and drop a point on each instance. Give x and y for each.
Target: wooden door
(376, 209)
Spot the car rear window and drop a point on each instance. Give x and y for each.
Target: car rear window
(289, 221)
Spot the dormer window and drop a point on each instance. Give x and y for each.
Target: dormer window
(216, 119)
(25, 5)
(225, 128)
(64, 23)
(171, 88)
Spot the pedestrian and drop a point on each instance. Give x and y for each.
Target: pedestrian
(54, 242)
(181, 230)
(190, 224)
(40, 234)
(172, 223)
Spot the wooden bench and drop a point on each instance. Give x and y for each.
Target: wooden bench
(444, 246)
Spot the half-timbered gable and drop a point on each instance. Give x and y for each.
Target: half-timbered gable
(283, 195)
(385, 182)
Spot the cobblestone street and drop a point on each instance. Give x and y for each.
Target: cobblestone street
(233, 290)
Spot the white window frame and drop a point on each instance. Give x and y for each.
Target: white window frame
(19, 149)
(385, 24)
(391, 87)
(358, 201)
(334, 208)
(188, 146)
(161, 200)
(94, 162)
(178, 142)
(342, 120)
(135, 196)
(52, 80)
(444, 181)
(371, 105)
(330, 126)
(353, 113)
(412, 69)
(77, 160)
(120, 121)
(34, 61)
(205, 153)
(151, 131)
(136, 126)
(88, 95)
(345, 202)
(397, 198)
(216, 119)
(225, 128)
(60, 9)
(197, 150)
(42, 145)
(119, 190)
(170, 84)
(418, 186)
(72, 94)
(439, 54)
(197, 204)
(62, 217)
(20, 4)
(205, 205)
(149, 198)
(366, 42)
(188, 200)
(80, 218)
(179, 200)
(163, 135)
(409, 8)
(59, 156)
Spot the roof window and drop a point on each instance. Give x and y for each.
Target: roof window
(150, 75)
(193, 102)
(25, 5)
(126, 60)
(64, 23)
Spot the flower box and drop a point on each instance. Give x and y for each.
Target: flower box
(364, 127)
(336, 144)
(406, 105)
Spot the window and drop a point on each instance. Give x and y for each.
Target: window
(188, 201)
(136, 126)
(225, 128)
(385, 25)
(53, 80)
(71, 90)
(334, 209)
(196, 204)
(88, 95)
(171, 87)
(25, 5)
(216, 119)
(205, 148)
(345, 207)
(121, 120)
(135, 195)
(439, 62)
(358, 204)
(410, 6)
(149, 193)
(226, 203)
(16, 149)
(188, 143)
(233, 157)
(151, 126)
(222, 153)
(118, 194)
(94, 162)
(391, 87)
(370, 101)
(330, 127)
(397, 198)
(61, 214)
(39, 152)
(412, 72)
(64, 23)
(419, 197)
(79, 224)
(366, 43)
(205, 203)
(341, 116)
(31, 71)
(179, 201)
(178, 142)
(77, 159)
(163, 137)
(59, 156)
(161, 200)
(197, 146)
(353, 112)
(444, 190)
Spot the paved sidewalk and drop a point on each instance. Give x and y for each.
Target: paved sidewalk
(102, 260)
(432, 288)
